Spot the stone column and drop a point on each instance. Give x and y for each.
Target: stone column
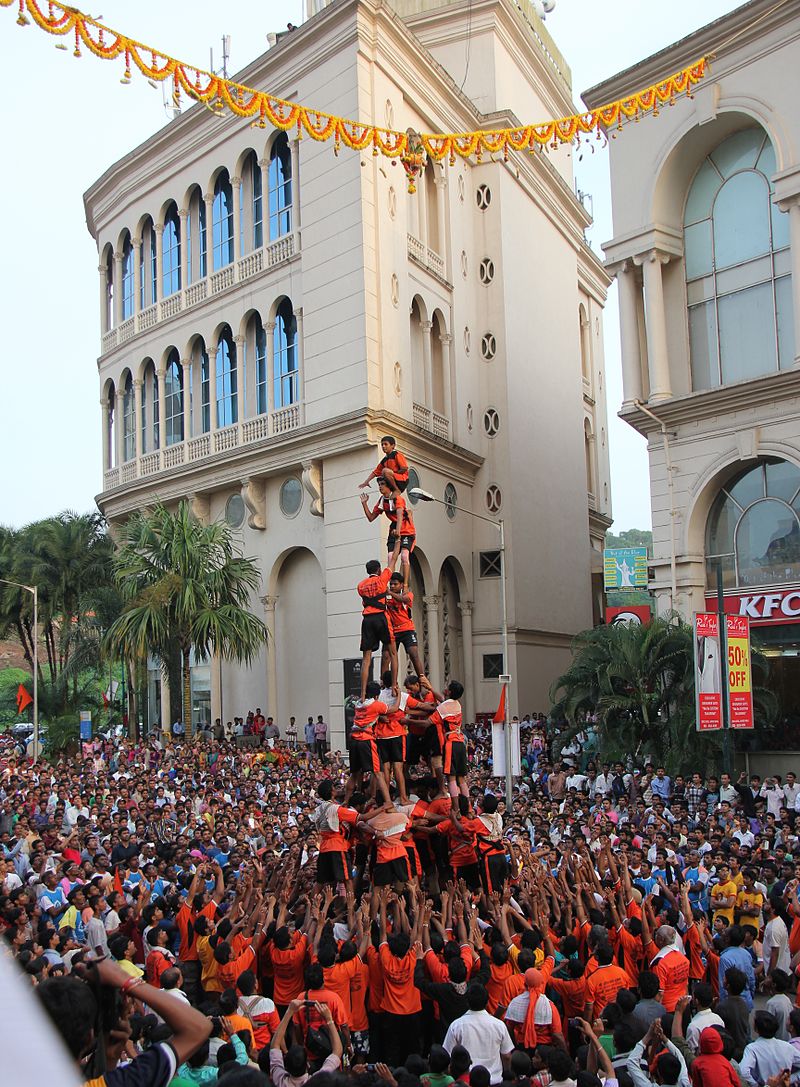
(465, 607)
(162, 408)
(792, 206)
(185, 228)
(264, 164)
(166, 722)
(236, 186)
(294, 148)
(441, 192)
(209, 199)
(118, 258)
(269, 328)
(301, 375)
(188, 400)
(447, 407)
(137, 274)
(425, 327)
(119, 429)
(106, 434)
(137, 393)
(212, 386)
(434, 662)
(241, 402)
(269, 603)
(629, 322)
(655, 320)
(105, 316)
(159, 229)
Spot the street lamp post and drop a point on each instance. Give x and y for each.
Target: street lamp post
(505, 678)
(33, 589)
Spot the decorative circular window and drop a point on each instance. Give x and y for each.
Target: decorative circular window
(486, 271)
(392, 199)
(464, 263)
(461, 188)
(413, 483)
(488, 346)
(494, 498)
(467, 340)
(491, 421)
(483, 197)
(235, 511)
(291, 498)
(450, 500)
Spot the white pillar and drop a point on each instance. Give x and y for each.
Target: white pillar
(465, 607)
(434, 661)
(236, 186)
(655, 320)
(159, 229)
(447, 407)
(269, 603)
(212, 386)
(105, 316)
(209, 199)
(294, 148)
(794, 237)
(188, 400)
(185, 229)
(425, 327)
(240, 391)
(441, 191)
(629, 328)
(106, 435)
(264, 164)
(162, 408)
(119, 425)
(269, 328)
(137, 392)
(166, 723)
(118, 258)
(301, 378)
(137, 274)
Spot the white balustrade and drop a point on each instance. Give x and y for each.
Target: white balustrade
(421, 416)
(148, 318)
(227, 438)
(286, 419)
(111, 479)
(174, 455)
(127, 471)
(109, 340)
(441, 425)
(435, 263)
(170, 306)
(127, 330)
(251, 264)
(199, 447)
(253, 430)
(150, 463)
(416, 249)
(222, 279)
(196, 293)
(280, 250)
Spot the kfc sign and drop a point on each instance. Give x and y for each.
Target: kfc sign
(763, 608)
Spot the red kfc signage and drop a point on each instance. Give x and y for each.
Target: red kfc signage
(634, 615)
(763, 608)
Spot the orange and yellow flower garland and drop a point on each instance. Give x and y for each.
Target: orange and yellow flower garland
(221, 94)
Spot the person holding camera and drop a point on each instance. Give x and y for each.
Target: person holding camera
(292, 1070)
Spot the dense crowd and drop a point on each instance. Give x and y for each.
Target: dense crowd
(208, 910)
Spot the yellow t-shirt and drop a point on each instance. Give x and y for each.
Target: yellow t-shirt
(726, 890)
(749, 899)
(130, 968)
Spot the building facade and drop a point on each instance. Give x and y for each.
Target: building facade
(270, 309)
(706, 251)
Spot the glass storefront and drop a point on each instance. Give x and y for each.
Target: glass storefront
(201, 693)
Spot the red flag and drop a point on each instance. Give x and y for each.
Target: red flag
(118, 882)
(500, 716)
(105, 701)
(23, 699)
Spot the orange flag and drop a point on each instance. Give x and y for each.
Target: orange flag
(500, 716)
(23, 699)
(118, 882)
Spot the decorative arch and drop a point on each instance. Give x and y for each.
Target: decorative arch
(586, 342)
(286, 375)
(109, 445)
(439, 362)
(280, 185)
(173, 398)
(451, 586)
(223, 229)
(248, 169)
(197, 351)
(196, 240)
(149, 421)
(417, 319)
(296, 584)
(256, 346)
(227, 391)
(171, 242)
(148, 270)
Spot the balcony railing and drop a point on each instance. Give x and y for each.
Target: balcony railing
(432, 421)
(271, 256)
(425, 257)
(213, 444)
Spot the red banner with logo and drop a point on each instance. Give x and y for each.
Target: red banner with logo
(764, 607)
(632, 615)
(740, 684)
(707, 671)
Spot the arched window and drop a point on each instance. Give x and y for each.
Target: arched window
(128, 420)
(261, 370)
(150, 440)
(736, 247)
(438, 364)
(753, 528)
(285, 365)
(431, 209)
(109, 314)
(222, 222)
(205, 390)
(127, 278)
(111, 445)
(586, 345)
(588, 452)
(173, 399)
(171, 253)
(280, 188)
(258, 202)
(227, 400)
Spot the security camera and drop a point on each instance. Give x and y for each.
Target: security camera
(543, 7)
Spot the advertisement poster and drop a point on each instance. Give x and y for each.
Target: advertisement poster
(624, 568)
(707, 671)
(635, 615)
(740, 684)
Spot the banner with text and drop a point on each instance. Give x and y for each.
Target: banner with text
(740, 684)
(707, 671)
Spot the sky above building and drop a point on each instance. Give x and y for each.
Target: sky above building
(69, 119)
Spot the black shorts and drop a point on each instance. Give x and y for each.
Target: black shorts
(331, 867)
(494, 871)
(400, 484)
(394, 871)
(407, 543)
(363, 756)
(406, 638)
(374, 631)
(455, 758)
(433, 743)
(415, 748)
(392, 749)
(470, 873)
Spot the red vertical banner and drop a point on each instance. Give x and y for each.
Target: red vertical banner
(740, 681)
(708, 666)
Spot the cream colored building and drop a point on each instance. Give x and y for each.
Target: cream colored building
(706, 251)
(269, 310)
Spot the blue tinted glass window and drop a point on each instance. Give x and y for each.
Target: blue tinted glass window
(280, 188)
(171, 254)
(285, 362)
(227, 401)
(222, 222)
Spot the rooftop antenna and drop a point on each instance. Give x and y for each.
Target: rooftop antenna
(226, 55)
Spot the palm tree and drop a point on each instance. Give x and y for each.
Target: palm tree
(184, 587)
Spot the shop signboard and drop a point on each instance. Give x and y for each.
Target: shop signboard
(707, 671)
(634, 615)
(740, 686)
(763, 607)
(624, 568)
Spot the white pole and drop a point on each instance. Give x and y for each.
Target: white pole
(506, 721)
(35, 591)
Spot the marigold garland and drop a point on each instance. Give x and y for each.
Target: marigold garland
(220, 94)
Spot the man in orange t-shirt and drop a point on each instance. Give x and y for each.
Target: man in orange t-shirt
(333, 820)
(288, 955)
(604, 984)
(671, 967)
(401, 998)
(375, 632)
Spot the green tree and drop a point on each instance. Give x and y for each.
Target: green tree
(631, 537)
(639, 683)
(184, 586)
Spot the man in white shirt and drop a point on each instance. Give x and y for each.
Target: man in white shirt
(791, 790)
(485, 1038)
(726, 789)
(775, 946)
(704, 1017)
(772, 792)
(767, 1056)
